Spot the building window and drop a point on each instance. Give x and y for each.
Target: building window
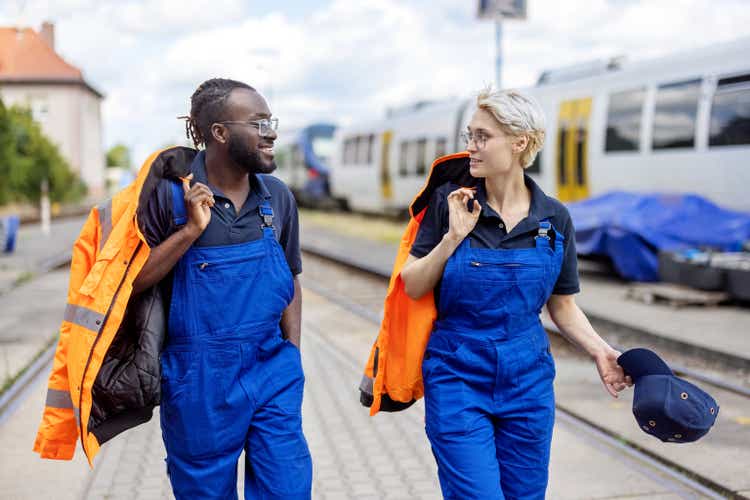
(624, 121)
(730, 112)
(39, 106)
(674, 115)
(421, 157)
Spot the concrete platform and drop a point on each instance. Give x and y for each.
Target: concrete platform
(355, 456)
(721, 332)
(36, 252)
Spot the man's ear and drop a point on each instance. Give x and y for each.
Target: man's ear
(219, 133)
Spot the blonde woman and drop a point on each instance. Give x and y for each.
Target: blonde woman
(494, 257)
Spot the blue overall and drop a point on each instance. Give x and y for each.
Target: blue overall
(229, 380)
(488, 371)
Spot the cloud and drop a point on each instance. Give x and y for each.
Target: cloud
(341, 60)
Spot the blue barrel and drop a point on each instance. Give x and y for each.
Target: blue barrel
(8, 231)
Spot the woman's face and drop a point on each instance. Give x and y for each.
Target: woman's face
(492, 152)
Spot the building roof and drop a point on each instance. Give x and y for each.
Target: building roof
(25, 57)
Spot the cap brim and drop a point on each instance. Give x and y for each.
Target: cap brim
(639, 362)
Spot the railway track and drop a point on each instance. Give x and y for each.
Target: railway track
(360, 290)
(350, 291)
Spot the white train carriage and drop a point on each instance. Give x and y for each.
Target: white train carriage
(678, 124)
(380, 166)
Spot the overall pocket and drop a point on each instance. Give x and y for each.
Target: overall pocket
(444, 390)
(224, 291)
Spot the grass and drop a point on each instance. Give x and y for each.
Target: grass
(357, 225)
(22, 278)
(11, 379)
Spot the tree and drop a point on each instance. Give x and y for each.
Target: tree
(27, 157)
(118, 156)
(7, 152)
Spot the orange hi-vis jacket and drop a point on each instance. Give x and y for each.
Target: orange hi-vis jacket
(393, 375)
(107, 256)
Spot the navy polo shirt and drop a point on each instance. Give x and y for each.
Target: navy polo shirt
(490, 231)
(227, 227)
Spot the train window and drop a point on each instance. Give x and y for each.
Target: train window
(441, 146)
(362, 150)
(624, 121)
(403, 169)
(370, 143)
(580, 142)
(562, 145)
(536, 165)
(421, 157)
(323, 148)
(350, 153)
(730, 112)
(674, 115)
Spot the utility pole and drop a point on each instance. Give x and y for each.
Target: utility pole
(498, 10)
(498, 52)
(44, 208)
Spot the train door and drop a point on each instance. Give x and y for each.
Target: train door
(386, 185)
(572, 149)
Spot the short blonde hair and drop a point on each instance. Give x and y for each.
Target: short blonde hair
(518, 115)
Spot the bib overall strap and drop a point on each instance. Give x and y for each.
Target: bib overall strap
(179, 212)
(544, 228)
(547, 235)
(265, 210)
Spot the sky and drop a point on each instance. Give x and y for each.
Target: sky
(342, 61)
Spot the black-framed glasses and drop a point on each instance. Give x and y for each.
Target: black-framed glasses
(480, 139)
(265, 125)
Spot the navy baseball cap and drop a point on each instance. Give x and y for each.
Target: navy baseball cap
(664, 405)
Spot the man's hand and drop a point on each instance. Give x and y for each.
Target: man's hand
(198, 201)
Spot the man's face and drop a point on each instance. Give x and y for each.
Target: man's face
(245, 146)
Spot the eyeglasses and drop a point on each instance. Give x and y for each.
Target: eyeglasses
(480, 139)
(264, 125)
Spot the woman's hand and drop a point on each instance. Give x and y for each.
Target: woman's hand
(460, 220)
(612, 375)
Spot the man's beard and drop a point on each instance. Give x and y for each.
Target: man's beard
(247, 159)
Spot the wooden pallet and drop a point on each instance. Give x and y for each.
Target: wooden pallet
(674, 295)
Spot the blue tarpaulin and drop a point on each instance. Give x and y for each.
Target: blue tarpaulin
(632, 228)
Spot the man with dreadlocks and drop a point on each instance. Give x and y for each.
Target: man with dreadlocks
(231, 370)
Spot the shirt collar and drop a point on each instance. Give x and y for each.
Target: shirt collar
(198, 168)
(540, 208)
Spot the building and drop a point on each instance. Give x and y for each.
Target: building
(68, 108)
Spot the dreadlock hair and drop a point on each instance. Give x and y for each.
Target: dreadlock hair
(207, 107)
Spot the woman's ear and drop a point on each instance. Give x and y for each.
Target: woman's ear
(520, 144)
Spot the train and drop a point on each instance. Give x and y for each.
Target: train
(302, 158)
(676, 124)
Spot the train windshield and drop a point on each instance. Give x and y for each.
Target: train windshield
(323, 148)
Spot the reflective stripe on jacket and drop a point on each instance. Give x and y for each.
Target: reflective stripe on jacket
(107, 256)
(393, 375)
